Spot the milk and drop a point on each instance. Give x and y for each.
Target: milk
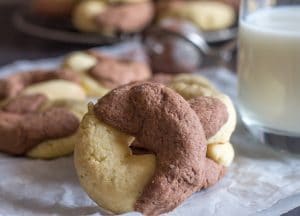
(269, 69)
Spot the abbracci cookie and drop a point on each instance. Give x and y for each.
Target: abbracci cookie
(18, 83)
(173, 133)
(207, 15)
(100, 73)
(40, 113)
(192, 86)
(112, 17)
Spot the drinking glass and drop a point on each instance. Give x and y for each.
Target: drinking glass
(269, 71)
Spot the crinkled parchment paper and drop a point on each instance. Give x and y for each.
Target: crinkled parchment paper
(260, 181)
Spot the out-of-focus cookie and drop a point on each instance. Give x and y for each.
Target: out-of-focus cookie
(14, 85)
(112, 73)
(112, 17)
(24, 128)
(57, 90)
(128, 18)
(190, 86)
(81, 63)
(92, 87)
(100, 73)
(51, 149)
(207, 15)
(63, 146)
(41, 113)
(77, 107)
(83, 15)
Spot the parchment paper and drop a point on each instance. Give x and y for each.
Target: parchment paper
(260, 181)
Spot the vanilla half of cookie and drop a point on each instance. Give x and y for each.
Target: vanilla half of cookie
(108, 171)
(57, 90)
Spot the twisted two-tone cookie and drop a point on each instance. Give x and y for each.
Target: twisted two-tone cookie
(173, 131)
(40, 113)
(112, 17)
(206, 15)
(23, 127)
(100, 73)
(29, 82)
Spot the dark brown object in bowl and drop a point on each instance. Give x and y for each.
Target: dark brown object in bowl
(172, 54)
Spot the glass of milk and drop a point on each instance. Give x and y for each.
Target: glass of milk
(269, 71)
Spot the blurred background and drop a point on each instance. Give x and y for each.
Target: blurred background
(16, 45)
(30, 31)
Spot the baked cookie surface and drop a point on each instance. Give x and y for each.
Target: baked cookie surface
(102, 156)
(43, 109)
(100, 73)
(105, 162)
